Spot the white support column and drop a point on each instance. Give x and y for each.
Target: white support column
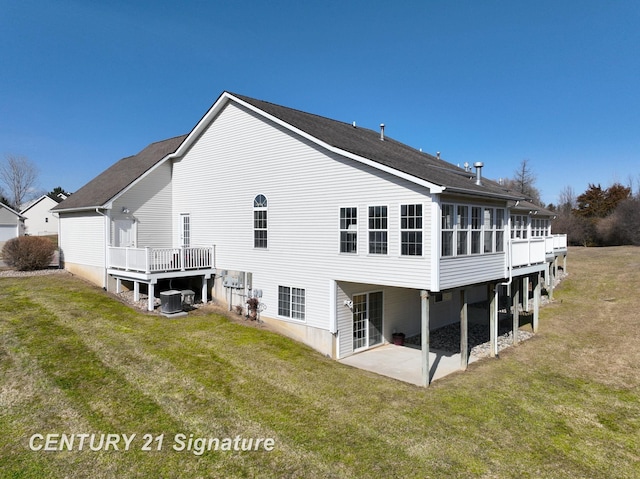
(552, 278)
(205, 296)
(136, 291)
(515, 301)
(493, 319)
(464, 331)
(525, 293)
(424, 297)
(537, 291)
(564, 263)
(151, 296)
(118, 285)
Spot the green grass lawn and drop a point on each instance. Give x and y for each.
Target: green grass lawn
(565, 404)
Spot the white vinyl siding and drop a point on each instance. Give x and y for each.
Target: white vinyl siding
(149, 204)
(39, 221)
(306, 187)
(464, 270)
(83, 238)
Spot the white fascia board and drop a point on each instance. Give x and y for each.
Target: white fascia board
(225, 97)
(82, 208)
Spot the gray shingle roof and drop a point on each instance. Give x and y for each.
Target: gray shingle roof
(120, 175)
(358, 141)
(391, 153)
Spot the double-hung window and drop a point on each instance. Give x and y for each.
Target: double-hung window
(489, 227)
(291, 302)
(476, 229)
(499, 230)
(378, 230)
(411, 230)
(348, 230)
(447, 230)
(260, 222)
(462, 235)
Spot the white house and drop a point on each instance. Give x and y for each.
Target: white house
(39, 220)
(11, 224)
(343, 233)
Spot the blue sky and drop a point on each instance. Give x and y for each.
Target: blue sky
(84, 83)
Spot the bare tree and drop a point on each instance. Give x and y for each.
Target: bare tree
(567, 199)
(19, 176)
(523, 182)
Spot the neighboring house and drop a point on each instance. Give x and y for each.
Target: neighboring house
(39, 221)
(345, 235)
(11, 224)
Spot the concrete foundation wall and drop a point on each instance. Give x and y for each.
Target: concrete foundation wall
(94, 274)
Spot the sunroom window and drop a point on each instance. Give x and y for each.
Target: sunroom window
(468, 229)
(447, 230)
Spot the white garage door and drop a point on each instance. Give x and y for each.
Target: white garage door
(7, 232)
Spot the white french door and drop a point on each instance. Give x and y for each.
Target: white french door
(367, 320)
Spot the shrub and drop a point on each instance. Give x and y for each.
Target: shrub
(28, 253)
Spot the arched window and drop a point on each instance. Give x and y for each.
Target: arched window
(260, 221)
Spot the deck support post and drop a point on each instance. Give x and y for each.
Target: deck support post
(151, 296)
(536, 301)
(464, 331)
(136, 291)
(424, 300)
(552, 278)
(525, 294)
(118, 285)
(205, 296)
(515, 312)
(493, 319)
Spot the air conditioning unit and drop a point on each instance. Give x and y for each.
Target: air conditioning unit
(170, 301)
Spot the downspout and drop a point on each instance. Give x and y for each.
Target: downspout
(509, 247)
(506, 283)
(57, 215)
(106, 246)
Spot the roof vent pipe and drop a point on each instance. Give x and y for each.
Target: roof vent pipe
(478, 166)
(382, 131)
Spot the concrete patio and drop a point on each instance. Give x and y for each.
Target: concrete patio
(404, 363)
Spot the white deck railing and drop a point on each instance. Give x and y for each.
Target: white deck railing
(534, 250)
(559, 242)
(155, 260)
(525, 252)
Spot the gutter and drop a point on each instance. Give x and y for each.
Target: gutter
(75, 210)
(465, 191)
